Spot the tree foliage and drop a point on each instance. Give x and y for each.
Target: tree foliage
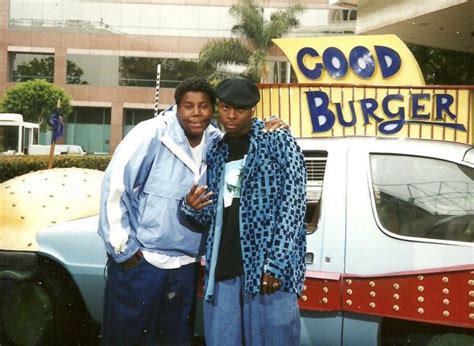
(444, 67)
(256, 34)
(35, 100)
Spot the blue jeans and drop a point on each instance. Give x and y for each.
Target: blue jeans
(146, 305)
(237, 318)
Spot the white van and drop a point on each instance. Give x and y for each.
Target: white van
(16, 135)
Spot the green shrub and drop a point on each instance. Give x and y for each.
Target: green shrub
(13, 166)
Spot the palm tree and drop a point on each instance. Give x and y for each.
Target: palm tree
(256, 33)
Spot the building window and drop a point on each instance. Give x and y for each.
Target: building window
(74, 74)
(89, 127)
(134, 116)
(280, 72)
(424, 198)
(100, 70)
(136, 71)
(106, 70)
(90, 115)
(116, 17)
(156, 18)
(29, 66)
(340, 15)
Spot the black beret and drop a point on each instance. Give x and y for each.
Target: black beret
(238, 92)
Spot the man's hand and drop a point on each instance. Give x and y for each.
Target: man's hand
(269, 284)
(198, 198)
(132, 261)
(275, 123)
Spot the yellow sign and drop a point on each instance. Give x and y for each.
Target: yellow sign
(379, 59)
(365, 85)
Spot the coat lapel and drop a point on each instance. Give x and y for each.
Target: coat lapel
(175, 140)
(180, 153)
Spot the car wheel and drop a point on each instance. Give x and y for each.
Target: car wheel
(27, 313)
(47, 311)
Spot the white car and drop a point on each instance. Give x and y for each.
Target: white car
(71, 149)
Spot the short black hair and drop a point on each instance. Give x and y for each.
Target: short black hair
(197, 85)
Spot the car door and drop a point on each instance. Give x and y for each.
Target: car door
(410, 208)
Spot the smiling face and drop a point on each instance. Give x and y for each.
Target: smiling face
(236, 121)
(195, 114)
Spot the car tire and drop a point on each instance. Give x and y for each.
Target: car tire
(47, 310)
(26, 313)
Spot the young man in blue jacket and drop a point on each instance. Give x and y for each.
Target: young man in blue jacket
(255, 206)
(152, 252)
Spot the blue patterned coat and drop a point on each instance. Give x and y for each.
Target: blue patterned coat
(272, 210)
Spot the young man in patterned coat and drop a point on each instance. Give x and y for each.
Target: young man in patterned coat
(255, 207)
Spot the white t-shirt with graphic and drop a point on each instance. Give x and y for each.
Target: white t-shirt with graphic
(233, 174)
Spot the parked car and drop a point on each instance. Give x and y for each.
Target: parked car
(390, 243)
(390, 250)
(40, 300)
(70, 149)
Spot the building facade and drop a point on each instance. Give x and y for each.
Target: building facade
(104, 53)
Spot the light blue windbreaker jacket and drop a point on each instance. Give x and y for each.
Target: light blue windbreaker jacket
(151, 171)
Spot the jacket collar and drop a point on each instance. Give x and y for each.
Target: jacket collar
(254, 134)
(176, 141)
(257, 127)
(255, 130)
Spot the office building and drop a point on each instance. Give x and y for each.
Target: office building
(104, 53)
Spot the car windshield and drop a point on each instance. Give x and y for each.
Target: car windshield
(423, 197)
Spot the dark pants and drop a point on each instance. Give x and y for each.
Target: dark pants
(146, 305)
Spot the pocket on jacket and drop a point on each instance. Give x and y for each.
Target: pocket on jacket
(159, 198)
(166, 189)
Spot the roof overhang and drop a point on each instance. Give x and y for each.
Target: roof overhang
(447, 24)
